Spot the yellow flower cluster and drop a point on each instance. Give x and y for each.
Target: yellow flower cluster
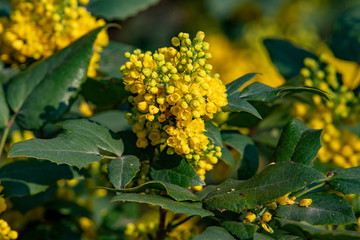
(174, 94)
(5, 230)
(38, 28)
(340, 146)
(285, 200)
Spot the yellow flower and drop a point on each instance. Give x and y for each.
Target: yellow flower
(266, 217)
(250, 217)
(305, 202)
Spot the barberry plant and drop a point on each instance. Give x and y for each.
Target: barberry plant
(154, 132)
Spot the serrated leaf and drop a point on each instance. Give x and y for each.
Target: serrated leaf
(213, 133)
(122, 169)
(324, 209)
(166, 203)
(274, 181)
(308, 231)
(46, 90)
(4, 110)
(243, 231)
(298, 143)
(249, 153)
(236, 104)
(234, 86)
(287, 58)
(176, 192)
(32, 176)
(118, 9)
(346, 180)
(176, 170)
(345, 41)
(85, 142)
(214, 233)
(112, 57)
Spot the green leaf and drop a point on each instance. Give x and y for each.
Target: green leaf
(112, 58)
(234, 86)
(5, 8)
(118, 9)
(249, 153)
(236, 104)
(32, 176)
(46, 90)
(260, 236)
(307, 231)
(346, 180)
(214, 233)
(288, 58)
(324, 209)
(122, 169)
(84, 143)
(104, 92)
(274, 181)
(212, 132)
(298, 143)
(227, 157)
(176, 192)
(174, 169)
(241, 230)
(113, 119)
(4, 110)
(166, 203)
(345, 42)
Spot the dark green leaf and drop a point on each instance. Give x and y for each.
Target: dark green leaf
(286, 57)
(307, 231)
(260, 236)
(166, 203)
(214, 233)
(324, 209)
(103, 92)
(112, 58)
(5, 8)
(241, 230)
(346, 180)
(298, 143)
(234, 86)
(118, 9)
(227, 156)
(86, 142)
(236, 104)
(29, 177)
(122, 169)
(46, 90)
(345, 41)
(113, 119)
(176, 192)
(274, 181)
(4, 110)
(174, 169)
(249, 153)
(212, 132)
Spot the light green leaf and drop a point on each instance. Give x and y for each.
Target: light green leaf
(4, 110)
(85, 142)
(234, 86)
(288, 58)
(176, 192)
(243, 231)
(324, 209)
(118, 9)
(112, 119)
(29, 177)
(174, 169)
(166, 203)
(274, 181)
(212, 132)
(122, 169)
(298, 143)
(308, 231)
(46, 90)
(249, 153)
(214, 233)
(346, 180)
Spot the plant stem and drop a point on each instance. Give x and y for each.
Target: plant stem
(161, 233)
(177, 224)
(6, 133)
(310, 189)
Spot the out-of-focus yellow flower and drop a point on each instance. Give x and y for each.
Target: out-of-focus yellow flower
(250, 217)
(36, 29)
(85, 109)
(305, 202)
